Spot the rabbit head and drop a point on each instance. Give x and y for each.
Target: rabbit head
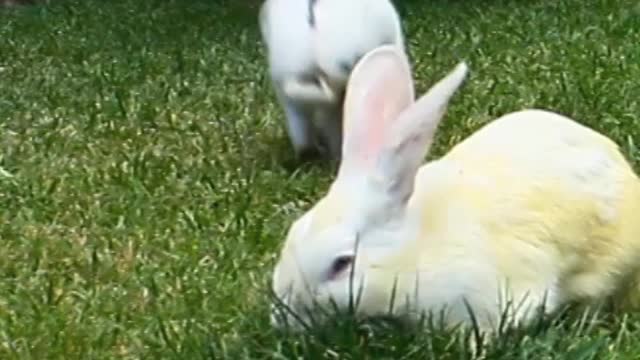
(331, 251)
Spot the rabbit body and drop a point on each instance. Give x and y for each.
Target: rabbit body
(533, 208)
(312, 45)
(532, 211)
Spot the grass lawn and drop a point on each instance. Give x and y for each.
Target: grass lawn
(146, 181)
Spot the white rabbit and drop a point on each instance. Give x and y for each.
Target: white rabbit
(311, 46)
(533, 209)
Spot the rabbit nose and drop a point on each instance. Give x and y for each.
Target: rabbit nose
(276, 317)
(280, 313)
(281, 319)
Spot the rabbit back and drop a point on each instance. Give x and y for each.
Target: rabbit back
(346, 30)
(554, 201)
(285, 28)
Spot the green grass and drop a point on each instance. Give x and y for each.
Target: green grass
(146, 181)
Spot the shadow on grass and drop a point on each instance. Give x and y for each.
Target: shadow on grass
(569, 334)
(572, 332)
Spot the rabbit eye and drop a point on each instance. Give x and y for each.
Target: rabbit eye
(340, 264)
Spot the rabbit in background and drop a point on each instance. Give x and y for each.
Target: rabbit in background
(533, 209)
(311, 46)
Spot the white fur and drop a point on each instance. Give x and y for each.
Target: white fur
(533, 209)
(309, 64)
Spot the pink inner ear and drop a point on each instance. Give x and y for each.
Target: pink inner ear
(379, 109)
(374, 138)
(379, 89)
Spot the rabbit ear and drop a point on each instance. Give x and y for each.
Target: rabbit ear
(380, 87)
(386, 135)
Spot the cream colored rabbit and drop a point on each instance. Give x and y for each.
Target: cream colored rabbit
(532, 208)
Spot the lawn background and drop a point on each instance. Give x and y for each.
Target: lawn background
(146, 181)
